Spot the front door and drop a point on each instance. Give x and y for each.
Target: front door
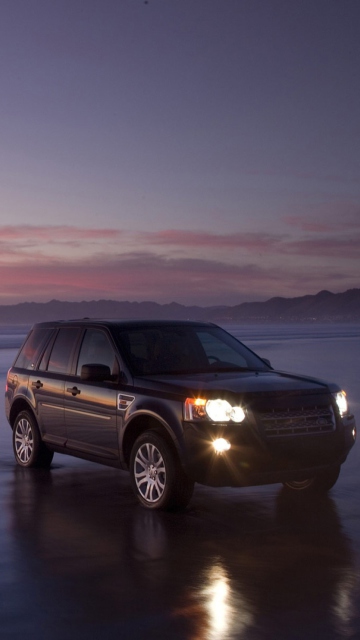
(91, 407)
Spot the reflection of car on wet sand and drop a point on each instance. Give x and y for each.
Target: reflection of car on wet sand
(207, 573)
(174, 403)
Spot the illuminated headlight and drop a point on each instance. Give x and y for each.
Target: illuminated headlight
(220, 445)
(216, 410)
(341, 401)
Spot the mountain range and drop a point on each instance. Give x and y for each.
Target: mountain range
(322, 307)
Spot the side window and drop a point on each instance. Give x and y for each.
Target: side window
(60, 357)
(97, 349)
(32, 348)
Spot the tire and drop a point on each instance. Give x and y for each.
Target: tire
(157, 477)
(29, 450)
(319, 484)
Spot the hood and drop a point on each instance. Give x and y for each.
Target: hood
(247, 382)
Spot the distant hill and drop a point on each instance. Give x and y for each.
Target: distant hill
(322, 307)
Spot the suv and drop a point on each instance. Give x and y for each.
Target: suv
(174, 403)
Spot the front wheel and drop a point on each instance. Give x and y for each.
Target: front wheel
(29, 450)
(321, 483)
(157, 477)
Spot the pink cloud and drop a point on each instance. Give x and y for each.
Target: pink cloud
(266, 244)
(247, 265)
(137, 276)
(332, 247)
(24, 234)
(322, 238)
(144, 276)
(173, 237)
(299, 222)
(328, 217)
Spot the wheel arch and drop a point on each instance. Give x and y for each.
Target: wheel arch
(20, 405)
(139, 425)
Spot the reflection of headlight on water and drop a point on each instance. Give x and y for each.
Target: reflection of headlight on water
(225, 613)
(343, 603)
(218, 605)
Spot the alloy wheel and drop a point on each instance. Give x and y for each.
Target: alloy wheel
(24, 440)
(150, 472)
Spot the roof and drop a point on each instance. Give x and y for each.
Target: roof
(124, 323)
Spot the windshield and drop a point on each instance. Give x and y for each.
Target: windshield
(184, 349)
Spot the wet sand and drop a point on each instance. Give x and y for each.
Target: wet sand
(80, 558)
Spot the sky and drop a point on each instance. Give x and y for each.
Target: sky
(199, 151)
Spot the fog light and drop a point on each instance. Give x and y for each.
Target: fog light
(220, 445)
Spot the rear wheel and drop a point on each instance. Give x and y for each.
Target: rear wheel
(29, 450)
(319, 484)
(157, 477)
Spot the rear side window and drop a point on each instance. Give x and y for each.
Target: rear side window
(60, 357)
(32, 348)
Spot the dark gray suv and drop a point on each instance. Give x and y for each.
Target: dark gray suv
(174, 403)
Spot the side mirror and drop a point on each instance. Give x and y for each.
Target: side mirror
(95, 372)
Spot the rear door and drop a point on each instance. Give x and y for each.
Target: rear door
(91, 407)
(47, 384)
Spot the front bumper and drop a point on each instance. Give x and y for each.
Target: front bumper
(254, 460)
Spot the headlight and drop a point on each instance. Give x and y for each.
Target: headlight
(341, 401)
(215, 410)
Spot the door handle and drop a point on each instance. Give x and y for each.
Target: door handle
(37, 385)
(73, 390)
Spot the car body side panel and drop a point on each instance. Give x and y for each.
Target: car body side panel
(47, 392)
(91, 418)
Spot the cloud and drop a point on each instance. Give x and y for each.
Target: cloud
(298, 222)
(321, 244)
(22, 236)
(146, 276)
(327, 217)
(250, 241)
(184, 266)
(132, 276)
(13, 238)
(345, 248)
(74, 243)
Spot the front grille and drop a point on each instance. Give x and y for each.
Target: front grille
(299, 421)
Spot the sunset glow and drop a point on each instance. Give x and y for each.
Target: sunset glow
(186, 266)
(204, 153)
